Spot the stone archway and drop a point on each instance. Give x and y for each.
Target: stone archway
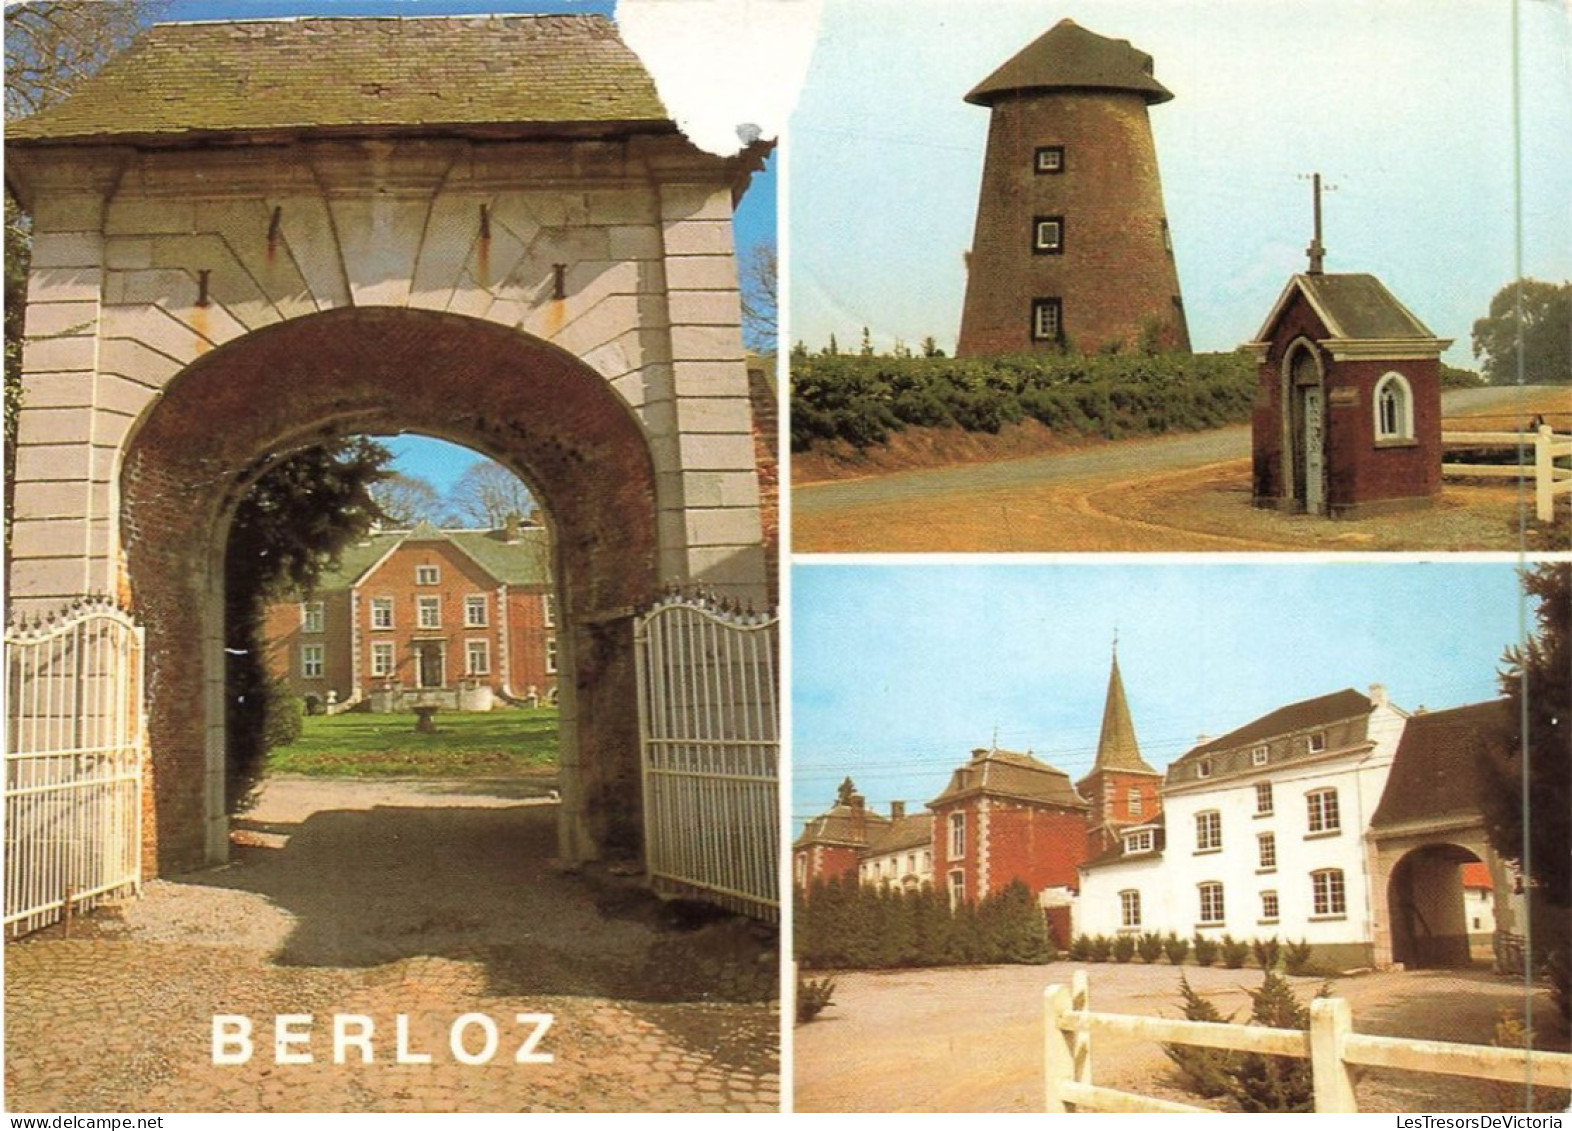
(1425, 903)
(528, 404)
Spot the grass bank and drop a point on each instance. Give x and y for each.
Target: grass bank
(481, 745)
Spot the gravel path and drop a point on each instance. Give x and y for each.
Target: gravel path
(971, 1039)
(429, 900)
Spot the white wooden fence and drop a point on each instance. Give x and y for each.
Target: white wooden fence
(1549, 480)
(711, 752)
(1331, 1045)
(73, 763)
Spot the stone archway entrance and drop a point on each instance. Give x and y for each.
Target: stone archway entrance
(1430, 923)
(546, 277)
(531, 406)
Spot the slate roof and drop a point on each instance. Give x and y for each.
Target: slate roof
(841, 824)
(1353, 308)
(914, 831)
(1116, 745)
(1068, 57)
(1004, 773)
(1324, 711)
(1433, 773)
(525, 562)
(1115, 854)
(355, 76)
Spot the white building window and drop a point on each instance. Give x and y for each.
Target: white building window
(427, 575)
(1263, 799)
(1268, 907)
(957, 835)
(551, 655)
(312, 617)
(382, 612)
(477, 657)
(1323, 814)
(1208, 831)
(1138, 842)
(1266, 851)
(428, 612)
(1328, 895)
(1394, 408)
(1129, 909)
(311, 661)
(1211, 903)
(382, 660)
(475, 611)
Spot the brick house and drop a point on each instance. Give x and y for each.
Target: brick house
(460, 618)
(832, 844)
(1347, 417)
(1006, 816)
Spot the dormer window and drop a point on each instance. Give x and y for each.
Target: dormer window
(1318, 742)
(1136, 842)
(1203, 768)
(1258, 756)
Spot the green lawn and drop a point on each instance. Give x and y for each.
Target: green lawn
(493, 744)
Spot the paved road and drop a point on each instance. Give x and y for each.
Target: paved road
(430, 900)
(1165, 453)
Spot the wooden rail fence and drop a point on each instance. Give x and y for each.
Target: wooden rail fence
(1331, 1046)
(1549, 480)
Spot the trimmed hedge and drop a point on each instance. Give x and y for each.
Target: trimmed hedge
(862, 400)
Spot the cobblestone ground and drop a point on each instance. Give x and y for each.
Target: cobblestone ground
(428, 902)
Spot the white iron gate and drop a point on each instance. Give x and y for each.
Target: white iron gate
(711, 752)
(73, 763)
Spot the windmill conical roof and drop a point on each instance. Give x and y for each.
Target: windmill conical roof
(1068, 57)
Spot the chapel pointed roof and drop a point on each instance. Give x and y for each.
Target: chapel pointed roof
(1068, 57)
(1117, 748)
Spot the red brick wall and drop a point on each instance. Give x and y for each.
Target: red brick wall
(1115, 275)
(824, 862)
(1108, 792)
(1039, 845)
(1359, 474)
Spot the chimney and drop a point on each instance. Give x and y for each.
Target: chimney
(897, 810)
(1378, 694)
(979, 753)
(857, 802)
(510, 528)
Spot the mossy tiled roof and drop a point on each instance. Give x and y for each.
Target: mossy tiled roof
(349, 76)
(1068, 57)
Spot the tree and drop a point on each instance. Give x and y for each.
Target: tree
(757, 280)
(1539, 704)
(1546, 334)
(290, 527)
(407, 500)
(487, 493)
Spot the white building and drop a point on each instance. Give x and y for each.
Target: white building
(1262, 834)
(899, 853)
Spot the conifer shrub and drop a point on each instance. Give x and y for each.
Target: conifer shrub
(1123, 947)
(1296, 957)
(1234, 952)
(1268, 952)
(814, 995)
(1081, 948)
(1150, 948)
(1176, 947)
(1275, 1083)
(1205, 950)
(1102, 948)
(1206, 1072)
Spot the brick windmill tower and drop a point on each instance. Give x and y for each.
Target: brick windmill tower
(1072, 241)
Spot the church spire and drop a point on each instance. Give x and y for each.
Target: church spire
(1116, 745)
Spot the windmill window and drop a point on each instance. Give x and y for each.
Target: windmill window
(1048, 235)
(1047, 320)
(1049, 160)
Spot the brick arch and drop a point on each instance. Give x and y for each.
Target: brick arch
(530, 405)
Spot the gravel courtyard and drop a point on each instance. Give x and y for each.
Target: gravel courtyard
(430, 900)
(971, 1039)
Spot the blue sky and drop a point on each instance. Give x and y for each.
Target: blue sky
(438, 462)
(900, 670)
(1404, 105)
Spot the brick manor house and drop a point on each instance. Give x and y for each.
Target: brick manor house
(463, 619)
